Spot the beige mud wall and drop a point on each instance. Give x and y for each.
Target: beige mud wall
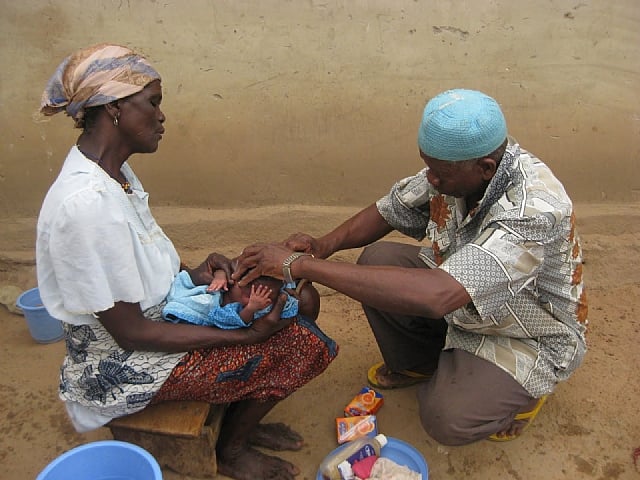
(318, 101)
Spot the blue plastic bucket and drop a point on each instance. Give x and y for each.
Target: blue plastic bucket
(43, 327)
(104, 460)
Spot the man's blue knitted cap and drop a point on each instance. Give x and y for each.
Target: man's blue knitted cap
(461, 125)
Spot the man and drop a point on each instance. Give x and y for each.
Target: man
(491, 315)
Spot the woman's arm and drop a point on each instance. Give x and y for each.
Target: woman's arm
(203, 274)
(132, 331)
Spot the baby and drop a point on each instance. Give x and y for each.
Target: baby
(248, 302)
(231, 306)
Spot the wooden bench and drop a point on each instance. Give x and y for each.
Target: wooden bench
(180, 435)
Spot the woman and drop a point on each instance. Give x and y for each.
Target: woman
(104, 268)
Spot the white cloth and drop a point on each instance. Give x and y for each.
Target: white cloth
(385, 468)
(97, 245)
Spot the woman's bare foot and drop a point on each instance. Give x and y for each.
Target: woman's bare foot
(276, 436)
(246, 463)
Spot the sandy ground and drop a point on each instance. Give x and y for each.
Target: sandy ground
(587, 430)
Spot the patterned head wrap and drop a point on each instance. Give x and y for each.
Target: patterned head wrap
(95, 76)
(461, 125)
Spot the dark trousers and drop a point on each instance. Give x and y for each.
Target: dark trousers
(468, 398)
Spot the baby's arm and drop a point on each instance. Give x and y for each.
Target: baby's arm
(259, 299)
(219, 282)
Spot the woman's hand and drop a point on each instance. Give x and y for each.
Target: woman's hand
(270, 323)
(204, 273)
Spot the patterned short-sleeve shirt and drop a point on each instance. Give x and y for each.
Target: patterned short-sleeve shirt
(518, 256)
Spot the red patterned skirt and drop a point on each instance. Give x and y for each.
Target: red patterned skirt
(271, 370)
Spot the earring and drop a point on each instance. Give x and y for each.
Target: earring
(115, 120)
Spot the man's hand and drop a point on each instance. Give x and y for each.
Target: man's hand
(301, 242)
(260, 259)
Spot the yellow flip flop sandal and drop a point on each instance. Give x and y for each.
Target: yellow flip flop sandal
(407, 378)
(530, 416)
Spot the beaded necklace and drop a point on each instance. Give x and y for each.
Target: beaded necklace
(126, 186)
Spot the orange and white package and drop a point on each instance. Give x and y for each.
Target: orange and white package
(367, 402)
(350, 428)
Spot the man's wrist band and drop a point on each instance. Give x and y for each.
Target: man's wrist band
(286, 265)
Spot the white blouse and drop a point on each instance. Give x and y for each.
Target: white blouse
(97, 245)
